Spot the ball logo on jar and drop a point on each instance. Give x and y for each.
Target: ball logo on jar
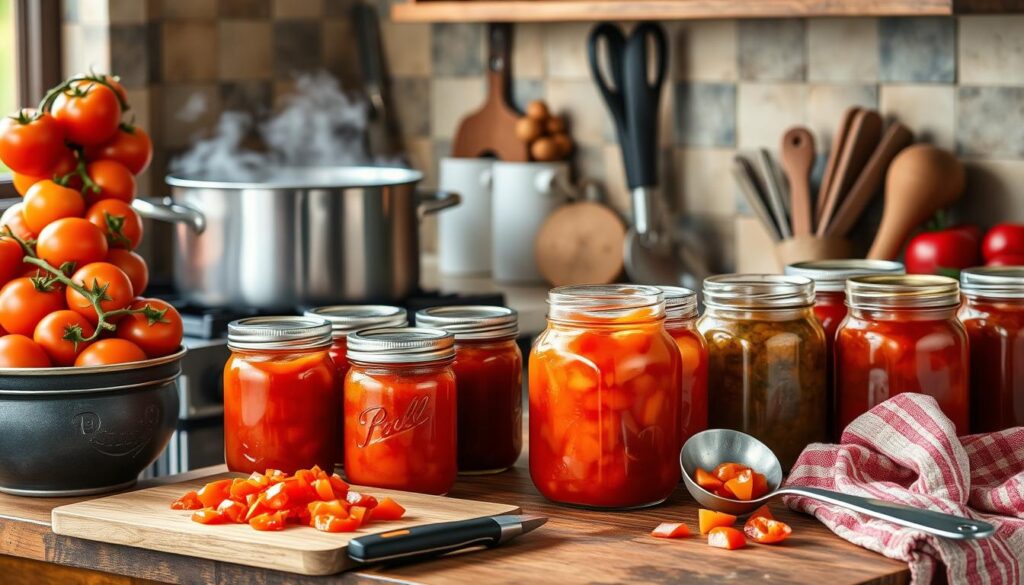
(379, 424)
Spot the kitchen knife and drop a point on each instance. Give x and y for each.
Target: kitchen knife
(441, 538)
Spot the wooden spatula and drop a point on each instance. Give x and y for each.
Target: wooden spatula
(861, 140)
(797, 154)
(491, 130)
(833, 160)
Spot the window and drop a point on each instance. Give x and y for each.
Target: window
(8, 64)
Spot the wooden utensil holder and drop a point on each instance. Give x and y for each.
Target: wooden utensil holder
(804, 248)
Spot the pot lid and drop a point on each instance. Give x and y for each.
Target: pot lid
(303, 178)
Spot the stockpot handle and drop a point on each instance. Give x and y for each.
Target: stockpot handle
(166, 210)
(429, 202)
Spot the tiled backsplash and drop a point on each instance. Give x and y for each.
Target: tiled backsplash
(958, 83)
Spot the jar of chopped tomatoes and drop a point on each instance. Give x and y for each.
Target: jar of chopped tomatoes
(400, 408)
(346, 319)
(766, 360)
(489, 377)
(902, 335)
(681, 324)
(993, 314)
(604, 398)
(280, 395)
(829, 278)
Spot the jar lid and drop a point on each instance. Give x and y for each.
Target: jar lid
(993, 282)
(346, 319)
(758, 291)
(911, 291)
(471, 321)
(605, 301)
(680, 303)
(400, 345)
(279, 333)
(831, 275)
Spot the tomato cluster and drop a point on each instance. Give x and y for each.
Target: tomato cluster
(71, 283)
(761, 527)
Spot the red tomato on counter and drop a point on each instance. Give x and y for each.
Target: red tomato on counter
(1004, 245)
(943, 252)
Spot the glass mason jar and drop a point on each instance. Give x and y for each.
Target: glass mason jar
(280, 395)
(829, 278)
(681, 324)
(604, 398)
(489, 381)
(344, 320)
(993, 314)
(766, 360)
(400, 409)
(901, 335)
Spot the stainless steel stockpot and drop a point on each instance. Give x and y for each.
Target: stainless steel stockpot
(302, 237)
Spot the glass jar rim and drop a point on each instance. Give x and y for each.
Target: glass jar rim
(758, 291)
(831, 275)
(993, 282)
(605, 302)
(283, 332)
(910, 291)
(680, 302)
(400, 345)
(347, 319)
(471, 321)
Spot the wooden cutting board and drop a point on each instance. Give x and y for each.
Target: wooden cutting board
(144, 519)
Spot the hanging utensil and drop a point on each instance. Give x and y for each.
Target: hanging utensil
(774, 193)
(833, 160)
(797, 156)
(382, 132)
(750, 185)
(861, 141)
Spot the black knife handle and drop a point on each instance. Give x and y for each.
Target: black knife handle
(422, 541)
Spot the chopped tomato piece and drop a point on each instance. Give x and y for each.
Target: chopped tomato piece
(727, 471)
(215, 492)
(727, 538)
(299, 514)
(358, 513)
(760, 485)
(270, 520)
(339, 485)
(671, 530)
(358, 499)
(258, 507)
(329, 523)
(305, 475)
(762, 512)
(234, 511)
(243, 488)
(323, 488)
(332, 508)
(707, 480)
(766, 530)
(742, 486)
(709, 519)
(210, 516)
(387, 509)
(725, 492)
(189, 501)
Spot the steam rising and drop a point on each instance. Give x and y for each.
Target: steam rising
(319, 125)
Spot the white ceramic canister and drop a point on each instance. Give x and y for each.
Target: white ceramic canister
(524, 195)
(464, 232)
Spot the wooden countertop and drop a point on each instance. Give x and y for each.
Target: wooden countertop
(574, 546)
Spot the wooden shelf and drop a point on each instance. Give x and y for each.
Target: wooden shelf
(626, 10)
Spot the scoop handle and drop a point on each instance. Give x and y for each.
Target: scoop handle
(937, 523)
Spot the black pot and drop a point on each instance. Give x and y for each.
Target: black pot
(78, 431)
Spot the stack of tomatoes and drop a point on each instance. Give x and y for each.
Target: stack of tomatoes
(72, 284)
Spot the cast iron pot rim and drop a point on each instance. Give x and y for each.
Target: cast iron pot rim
(330, 177)
(87, 370)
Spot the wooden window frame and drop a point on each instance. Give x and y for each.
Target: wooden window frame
(37, 52)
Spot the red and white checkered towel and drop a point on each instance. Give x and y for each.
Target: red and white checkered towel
(905, 450)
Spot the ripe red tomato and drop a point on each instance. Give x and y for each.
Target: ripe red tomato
(89, 112)
(46, 202)
(1005, 239)
(114, 180)
(95, 276)
(18, 351)
(130, 147)
(121, 224)
(15, 220)
(65, 164)
(133, 265)
(71, 239)
(115, 82)
(156, 339)
(30, 144)
(944, 252)
(10, 259)
(24, 302)
(57, 332)
(110, 351)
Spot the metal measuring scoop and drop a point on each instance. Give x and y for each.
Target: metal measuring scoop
(710, 448)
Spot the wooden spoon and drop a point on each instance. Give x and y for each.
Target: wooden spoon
(797, 153)
(861, 141)
(833, 159)
(921, 180)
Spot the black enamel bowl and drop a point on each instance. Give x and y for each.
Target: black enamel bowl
(78, 431)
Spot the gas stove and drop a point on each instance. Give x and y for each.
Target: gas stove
(198, 440)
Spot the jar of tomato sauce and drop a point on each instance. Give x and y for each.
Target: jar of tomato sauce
(993, 314)
(400, 408)
(829, 278)
(280, 395)
(346, 319)
(901, 335)
(766, 360)
(489, 377)
(681, 324)
(604, 398)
